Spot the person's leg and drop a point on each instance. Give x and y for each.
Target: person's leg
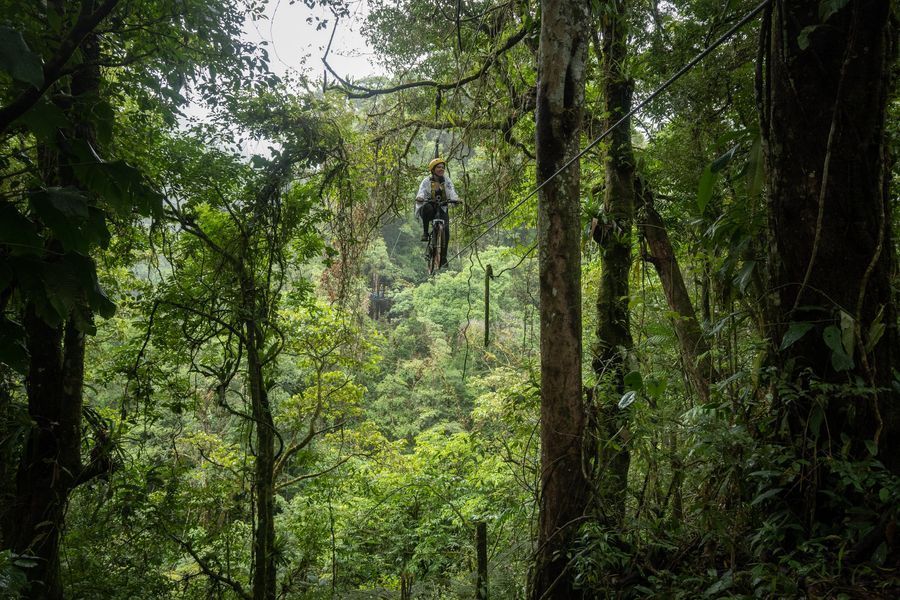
(427, 214)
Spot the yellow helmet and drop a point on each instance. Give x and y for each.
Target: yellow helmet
(437, 161)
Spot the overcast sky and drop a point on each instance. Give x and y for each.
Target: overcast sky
(294, 44)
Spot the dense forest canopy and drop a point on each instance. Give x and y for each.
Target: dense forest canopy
(661, 362)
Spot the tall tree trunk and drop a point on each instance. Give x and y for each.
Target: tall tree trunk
(51, 459)
(660, 253)
(564, 486)
(264, 574)
(613, 335)
(823, 114)
(50, 465)
(8, 456)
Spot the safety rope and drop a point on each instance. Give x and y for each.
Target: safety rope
(687, 67)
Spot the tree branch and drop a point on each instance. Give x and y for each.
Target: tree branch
(53, 69)
(204, 566)
(310, 434)
(300, 478)
(365, 92)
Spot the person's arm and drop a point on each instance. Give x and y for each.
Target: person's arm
(424, 190)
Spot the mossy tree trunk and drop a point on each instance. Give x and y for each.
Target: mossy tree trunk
(564, 486)
(822, 106)
(694, 347)
(264, 574)
(613, 342)
(50, 465)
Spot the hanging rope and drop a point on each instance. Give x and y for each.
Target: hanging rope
(687, 67)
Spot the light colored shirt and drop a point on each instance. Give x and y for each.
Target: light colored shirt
(425, 192)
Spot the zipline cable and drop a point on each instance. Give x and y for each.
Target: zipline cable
(687, 67)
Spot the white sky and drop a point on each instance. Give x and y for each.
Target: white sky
(295, 45)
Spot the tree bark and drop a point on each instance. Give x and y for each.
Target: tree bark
(51, 459)
(613, 341)
(264, 574)
(823, 115)
(695, 350)
(481, 579)
(256, 291)
(50, 465)
(564, 486)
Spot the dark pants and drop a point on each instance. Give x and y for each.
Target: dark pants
(429, 212)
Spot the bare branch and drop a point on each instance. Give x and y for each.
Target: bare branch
(365, 92)
(300, 478)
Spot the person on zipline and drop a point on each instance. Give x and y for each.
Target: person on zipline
(438, 188)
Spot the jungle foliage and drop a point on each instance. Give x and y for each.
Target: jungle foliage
(225, 373)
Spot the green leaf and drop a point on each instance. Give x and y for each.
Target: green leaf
(744, 276)
(848, 333)
(794, 333)
(103, 117)
(69, 201)
(720, 163)
(815, 420)
(880, 554)
(832, 337)
(840, 361)
(30, 275)
(12, 346)
(65, 212)
(724, 583)
(44, 120)
(17, 59)
(18, 232)
(121, 186)
(84, 270)
(756, 168)
(829, 7)
(872, 447)
(705, 189)
(25, 561)
(803, 37)
(884, 495)
(765, 496)
(876, 330)
(95, 227)
(655, 387)
(633, 381)
(62, 287)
